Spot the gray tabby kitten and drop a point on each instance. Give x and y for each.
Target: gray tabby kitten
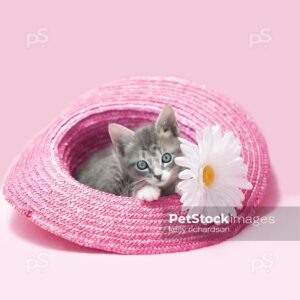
(140, 164)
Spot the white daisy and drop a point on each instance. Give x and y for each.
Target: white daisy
(214, 173)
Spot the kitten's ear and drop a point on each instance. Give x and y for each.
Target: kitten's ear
(166, 123)
(119, 136)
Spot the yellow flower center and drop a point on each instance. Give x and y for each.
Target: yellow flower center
(208, 175)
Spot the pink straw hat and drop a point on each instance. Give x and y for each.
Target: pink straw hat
(41, 186)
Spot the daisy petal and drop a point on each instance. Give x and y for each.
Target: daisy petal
(187, 143)
(186, 174)
(195, 210)
(198, 136)
(241, 183)
(186, 185)
(222, 205)
(194, 199)
(193, 147)
(232, 196)
(236, 168)
(212, 209)
(186, 197)
(190, 152)
(216, 131)
(183, 162)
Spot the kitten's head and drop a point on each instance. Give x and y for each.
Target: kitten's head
(148, 153)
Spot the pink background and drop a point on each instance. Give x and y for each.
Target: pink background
(98, 41)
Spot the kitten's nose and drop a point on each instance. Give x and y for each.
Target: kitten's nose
(158, 176)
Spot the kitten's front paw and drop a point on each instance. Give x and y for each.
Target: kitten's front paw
(148, 193)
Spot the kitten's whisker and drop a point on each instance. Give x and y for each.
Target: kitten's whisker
(136, 182)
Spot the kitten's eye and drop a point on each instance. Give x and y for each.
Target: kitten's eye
(142, 165)
(166, 158)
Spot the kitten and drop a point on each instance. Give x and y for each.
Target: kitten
(140, 164)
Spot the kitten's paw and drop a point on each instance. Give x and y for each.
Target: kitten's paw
(148, 193)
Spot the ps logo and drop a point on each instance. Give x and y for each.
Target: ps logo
(40, 262)
(265, 263)
(40, 38)
(263, 37)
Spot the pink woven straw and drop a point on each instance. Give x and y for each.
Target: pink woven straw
(40, 185)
